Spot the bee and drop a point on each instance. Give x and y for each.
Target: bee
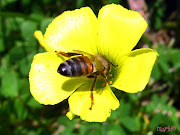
(85, 64)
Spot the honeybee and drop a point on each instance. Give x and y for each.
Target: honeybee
(85, 64)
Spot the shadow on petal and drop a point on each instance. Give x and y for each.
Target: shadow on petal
(75, 83)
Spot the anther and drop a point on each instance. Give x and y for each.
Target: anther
(110, 75)
(103, 84)
(109, 82)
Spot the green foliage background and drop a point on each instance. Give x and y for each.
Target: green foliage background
(140, 113)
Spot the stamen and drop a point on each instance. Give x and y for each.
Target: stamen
(109, 82)
(103, 84)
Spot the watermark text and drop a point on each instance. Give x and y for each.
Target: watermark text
(166, 129)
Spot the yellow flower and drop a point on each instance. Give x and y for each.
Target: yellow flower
(114, 34)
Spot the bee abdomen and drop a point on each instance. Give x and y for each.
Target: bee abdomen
(78, 66)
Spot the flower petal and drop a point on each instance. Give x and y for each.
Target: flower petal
(70, 115)
(119, 30)
(132, 74)
(73, 30)
(39, 36)
(104, 101)
(46, 85)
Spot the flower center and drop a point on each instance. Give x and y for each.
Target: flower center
(102, 81)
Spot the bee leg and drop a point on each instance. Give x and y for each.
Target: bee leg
(105, 78)
(111, 62)
(67, 54)
(82, 52)
(92, 98)
(93, 74)
(90, 76)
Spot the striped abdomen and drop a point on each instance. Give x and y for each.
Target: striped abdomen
(78, 66)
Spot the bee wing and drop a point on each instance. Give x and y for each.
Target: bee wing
(90, 56)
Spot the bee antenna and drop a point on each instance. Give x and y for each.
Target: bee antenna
(114, 65)
(111, 62)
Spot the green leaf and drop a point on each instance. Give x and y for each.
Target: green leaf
(27, 29)
(45, 23)
(146, 40)
(163, 100)
(164, 66)
(93, 129)
(158, 23)
(69, 126)
(158, 120)
(37, 17)
(17, 53)
(115, 129)
(11, 26)
(9, 84)
(175, 58)
(163, 59)
(26, 2)
(33, 103)
(156, 74)
(152, 106)
(79, 3)
(24, 86)
(133, 97)
(112, 1)
(63, 120)
(155, 99)
(2, 47)
(25, 66)
(5, 65)
(130, 123)
(6, 2)
(32, 132)
(21, 111)
(122, 111)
